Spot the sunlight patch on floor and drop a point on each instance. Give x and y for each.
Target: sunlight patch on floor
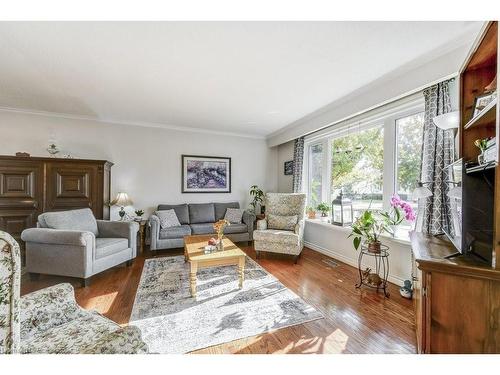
(100, 303)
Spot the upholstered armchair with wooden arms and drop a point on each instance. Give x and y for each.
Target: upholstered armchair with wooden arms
(282, 230)
(50, 321)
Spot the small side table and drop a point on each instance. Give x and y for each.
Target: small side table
(142, 230)
(381, 269)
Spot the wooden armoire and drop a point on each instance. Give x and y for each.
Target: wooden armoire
(32, 185)
(457, 299)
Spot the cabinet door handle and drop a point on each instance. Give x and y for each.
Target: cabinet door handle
(414, 278)
(424, 291)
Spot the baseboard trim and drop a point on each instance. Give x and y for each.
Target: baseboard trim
(350, 261)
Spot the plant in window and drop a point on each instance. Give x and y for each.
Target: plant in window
(323, 208)
(258, 197)
(311, 212)
(370, 227)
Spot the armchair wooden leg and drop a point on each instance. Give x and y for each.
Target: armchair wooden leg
(34, 276)
(257, 256)
(85, 282)
(130, 262)
(296, 258)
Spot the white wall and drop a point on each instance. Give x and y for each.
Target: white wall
(285, 153)
(332, 240)
(147, 160)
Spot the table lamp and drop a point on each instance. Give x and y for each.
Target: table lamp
(121, 200)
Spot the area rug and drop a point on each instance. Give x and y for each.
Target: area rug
(172, 321)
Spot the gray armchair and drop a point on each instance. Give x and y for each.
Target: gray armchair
(285, 234)
(73, 243)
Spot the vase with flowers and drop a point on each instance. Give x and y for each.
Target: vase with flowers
(219, 229)
(482, 145)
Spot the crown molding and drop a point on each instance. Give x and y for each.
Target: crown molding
(129, 123)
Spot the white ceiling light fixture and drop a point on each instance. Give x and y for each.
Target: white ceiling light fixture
(447, 121)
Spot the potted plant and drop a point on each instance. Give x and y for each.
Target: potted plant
(369, 227)
(323, 208)
(400, 210)
(258, 198)
(482, 145)
(311, 212)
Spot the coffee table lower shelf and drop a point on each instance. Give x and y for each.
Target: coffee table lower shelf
(194, 253)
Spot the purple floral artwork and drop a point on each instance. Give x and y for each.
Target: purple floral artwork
(203, 174)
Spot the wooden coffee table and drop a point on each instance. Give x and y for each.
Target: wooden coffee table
(194, 253)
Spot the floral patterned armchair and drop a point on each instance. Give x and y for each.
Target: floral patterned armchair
(50, 320)
(282, 230)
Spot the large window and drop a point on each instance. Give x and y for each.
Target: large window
(369, 158)
(315, 173)
(409, 137)
(357, 164)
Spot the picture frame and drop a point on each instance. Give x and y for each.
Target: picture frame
(288, 168)
(481, 101)
(205, 174)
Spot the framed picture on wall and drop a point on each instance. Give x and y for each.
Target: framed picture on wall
(206, 174)
(289, 168)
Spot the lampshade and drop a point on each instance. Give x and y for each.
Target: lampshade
(421, 192)
(121, 200)
(447, 121)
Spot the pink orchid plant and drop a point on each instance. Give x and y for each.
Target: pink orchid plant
(400, 211)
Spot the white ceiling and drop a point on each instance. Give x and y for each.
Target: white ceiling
(249, 78)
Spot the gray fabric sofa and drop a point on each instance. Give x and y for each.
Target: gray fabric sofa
(198, 218)
(73, 243)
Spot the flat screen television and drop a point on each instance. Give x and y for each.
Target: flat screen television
(453, 226)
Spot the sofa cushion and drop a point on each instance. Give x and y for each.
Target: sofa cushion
(202, 228)
(281, 222)
(82, 220)
(234, 215)
(236, 228)
(273, 235)
(109, 246)
(220, 209)
(201, 213)
(168, 218)
(181, 210)
(175, 232)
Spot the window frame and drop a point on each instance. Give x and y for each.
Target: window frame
(385, 116)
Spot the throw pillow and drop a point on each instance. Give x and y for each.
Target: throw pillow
(234, 215)
(168, 219)
(281, 222)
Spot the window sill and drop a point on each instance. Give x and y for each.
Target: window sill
(402, 236)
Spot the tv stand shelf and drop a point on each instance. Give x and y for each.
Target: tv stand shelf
(457, 300)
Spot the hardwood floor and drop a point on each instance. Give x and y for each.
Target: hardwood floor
(355, 321)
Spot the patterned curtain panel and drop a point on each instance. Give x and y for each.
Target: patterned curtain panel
(298, 158)
(437, 153)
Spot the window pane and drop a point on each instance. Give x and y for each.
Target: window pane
(315, 174)
(408, 155)
(357, 168)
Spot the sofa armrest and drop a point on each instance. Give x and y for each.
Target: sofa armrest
(117, 229)
(154, 224)
(262, 224)
(47, 308)
(126, 340)
(249, 219)
(58, 237)
(299, 228)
